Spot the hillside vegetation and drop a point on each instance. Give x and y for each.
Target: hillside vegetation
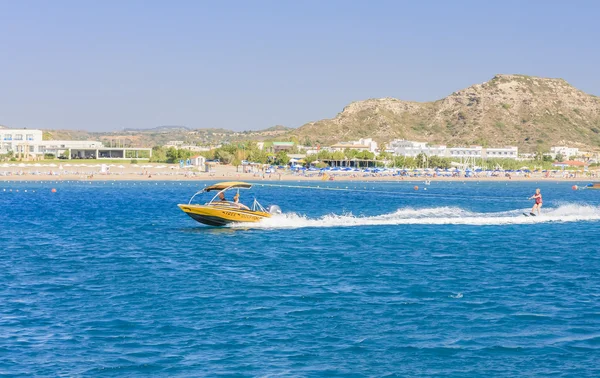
(529, 112)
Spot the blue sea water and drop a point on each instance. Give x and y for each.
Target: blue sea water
(112, 279)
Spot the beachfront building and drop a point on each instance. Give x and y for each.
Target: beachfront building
(461, 152)
(78, 148)
(97, 151)
(85, 149)
(26, 143)
(566, 152)
(19, 141)
(198, 160)
(363, 144)
(407, 148)
(570, 163)
(281, 146)
(502, 153)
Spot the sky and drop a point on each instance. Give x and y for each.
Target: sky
(105, 65)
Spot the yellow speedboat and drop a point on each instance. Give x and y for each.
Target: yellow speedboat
(219, 211)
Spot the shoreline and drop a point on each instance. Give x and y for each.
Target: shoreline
(32, 173)
(276, 178)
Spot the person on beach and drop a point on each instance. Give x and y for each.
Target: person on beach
(538, 202)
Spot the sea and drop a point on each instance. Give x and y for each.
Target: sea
(370, 279)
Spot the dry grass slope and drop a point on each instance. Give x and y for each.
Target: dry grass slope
(529, 112)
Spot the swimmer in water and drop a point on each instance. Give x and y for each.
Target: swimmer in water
(538, 202)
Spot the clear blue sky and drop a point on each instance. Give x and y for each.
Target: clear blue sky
(105, 64)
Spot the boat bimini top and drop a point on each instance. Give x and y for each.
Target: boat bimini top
(222, 187)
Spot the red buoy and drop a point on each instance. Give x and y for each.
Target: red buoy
(416, 187)
(53, 190)
(574, 187)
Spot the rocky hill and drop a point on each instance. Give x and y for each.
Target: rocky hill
(529, 112)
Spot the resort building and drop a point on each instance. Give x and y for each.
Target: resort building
(407, 148)
(566, 152)
(282, 146)
(570, 163)
(502, 153)
(19, 141)
(364, 144)
(461, 152)
(95, 150)
(58, 147)
(26, 143)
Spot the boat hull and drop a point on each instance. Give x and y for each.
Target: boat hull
(222, 216)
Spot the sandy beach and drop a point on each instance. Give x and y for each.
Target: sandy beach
(171, 172)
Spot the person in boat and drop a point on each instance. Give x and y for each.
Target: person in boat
(236, 200)
(222, 196)
(538, 202)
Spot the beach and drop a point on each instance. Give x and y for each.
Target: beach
(170, 172)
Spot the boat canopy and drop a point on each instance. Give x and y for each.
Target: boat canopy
(228, 185)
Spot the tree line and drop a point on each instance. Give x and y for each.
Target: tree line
(235, 153)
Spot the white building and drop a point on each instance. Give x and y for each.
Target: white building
(174, 143)
(198, 160)
(19, 140)
(25, 143)
(462, 152)
(502, 153)
(407, 148)
(565, 151)
(316, 150)
(363, 144)
(57, 147)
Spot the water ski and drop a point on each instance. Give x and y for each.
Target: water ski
(530, 214)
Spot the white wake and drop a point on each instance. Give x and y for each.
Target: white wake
(435, 215)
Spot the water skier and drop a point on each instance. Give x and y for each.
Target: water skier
(538, 202)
